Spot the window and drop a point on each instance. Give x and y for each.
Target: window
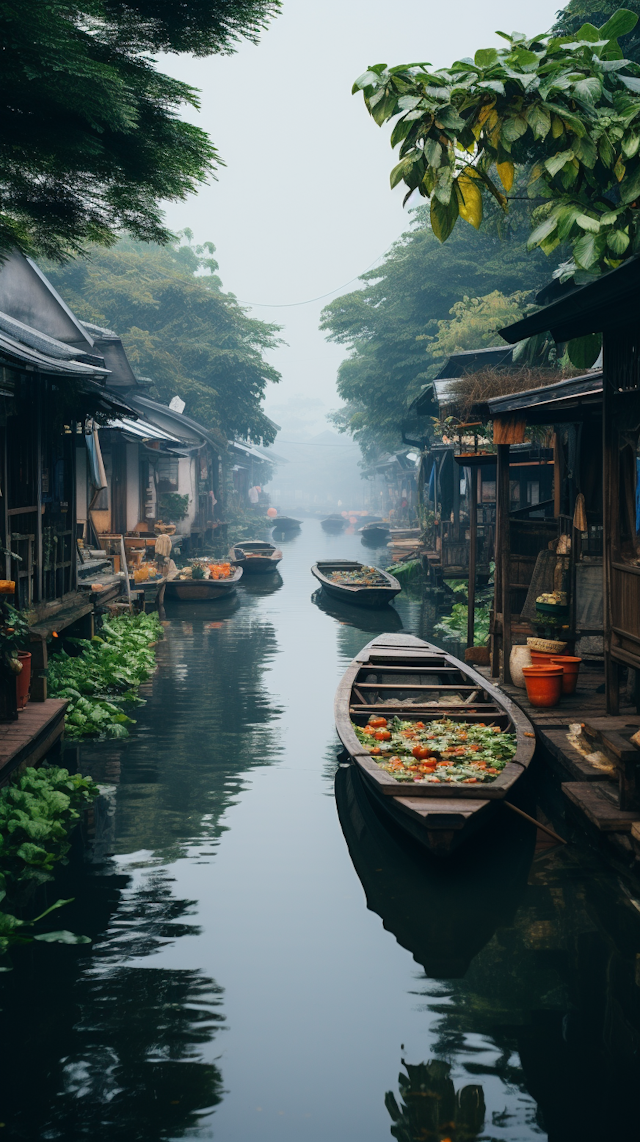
(167, 474)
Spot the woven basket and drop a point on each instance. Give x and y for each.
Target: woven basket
(546, 645)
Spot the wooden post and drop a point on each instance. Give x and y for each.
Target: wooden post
(39, 592)
(473, 550)
(610, 532)
(557, 475)
(124, 567)
(456, 500)
(503, 554)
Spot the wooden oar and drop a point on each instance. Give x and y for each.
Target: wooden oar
(538, 825)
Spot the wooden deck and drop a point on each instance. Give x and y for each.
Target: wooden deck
(590, 794)
(38, 730)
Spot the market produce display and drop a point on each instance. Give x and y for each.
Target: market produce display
(362, 577)
(441, 751)
(201, 570)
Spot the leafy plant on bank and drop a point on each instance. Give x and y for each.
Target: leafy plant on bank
(37, 813)
(454, 625)
(109, 670)
(14, 636)
(172, 506)
(569, 105)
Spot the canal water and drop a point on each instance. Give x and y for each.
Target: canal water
(270, 964)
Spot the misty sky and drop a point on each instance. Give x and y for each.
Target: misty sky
(303, 204)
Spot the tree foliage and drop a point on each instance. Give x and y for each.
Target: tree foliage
(569, 104)
(179, 329)
(392, 325)
(597, 12)
(90, 139)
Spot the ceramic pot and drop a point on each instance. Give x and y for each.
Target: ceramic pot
(570, 668)
(541, 657)
(23, 679)
(544, 684)
(520, 656)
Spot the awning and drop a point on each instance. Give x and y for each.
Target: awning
(142, 429)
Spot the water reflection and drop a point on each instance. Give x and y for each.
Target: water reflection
(443, 913)
(362, 618)
(116, 1049)
(430, 1108)
(206, 723)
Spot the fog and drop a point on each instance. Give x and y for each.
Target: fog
(303, 205)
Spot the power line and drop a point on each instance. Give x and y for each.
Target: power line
(309, 301)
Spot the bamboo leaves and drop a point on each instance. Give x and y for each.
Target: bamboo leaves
(571, 102)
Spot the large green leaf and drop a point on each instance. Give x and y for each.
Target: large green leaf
(630, 186)
(588, 249)
(557, 162)
(62, 937)
(583, 351)
(443, 217)
(544, 230)
(618, 242)
(485, 57)
(619, 24)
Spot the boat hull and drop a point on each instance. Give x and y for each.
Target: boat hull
(333, 525)
(202, 590)
(248, 557)
(440, 817)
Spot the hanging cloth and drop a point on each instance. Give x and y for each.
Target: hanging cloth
(580, 514)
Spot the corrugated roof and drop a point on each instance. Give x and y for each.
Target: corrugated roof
(17, 351)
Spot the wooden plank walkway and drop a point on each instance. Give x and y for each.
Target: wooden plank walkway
(590, 791)
(38, 729)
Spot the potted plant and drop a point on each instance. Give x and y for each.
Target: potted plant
(14, 639)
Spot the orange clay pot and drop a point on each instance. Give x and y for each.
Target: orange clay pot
(544, 684)
(542, 657)
(570, 668)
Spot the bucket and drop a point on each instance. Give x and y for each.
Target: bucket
(23, 679)
(570, 668)
(544, 684)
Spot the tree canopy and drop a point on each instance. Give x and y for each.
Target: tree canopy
(568, 104)
(398, 326)
(179, 329)
(597, 12)
(90, 139)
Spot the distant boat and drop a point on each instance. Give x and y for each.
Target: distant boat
(255, 556)
(333, 523)
(362, 594)
(200, 589)
(284, 523)
(375, 530)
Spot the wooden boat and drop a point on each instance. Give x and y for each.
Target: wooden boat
(333, 523)
(255, 557)
(377, 530)
(199, 589)
(401, 674)
(348, 593)
(375, 620)
(285, 523)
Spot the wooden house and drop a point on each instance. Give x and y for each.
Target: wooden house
(52, 379)
(570, 410)
(610, 305)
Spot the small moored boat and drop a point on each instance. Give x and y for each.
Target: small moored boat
(340, 579)
(472, 744)
(255, 557)
(333, 523)
(199, 589)
(284, 523)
